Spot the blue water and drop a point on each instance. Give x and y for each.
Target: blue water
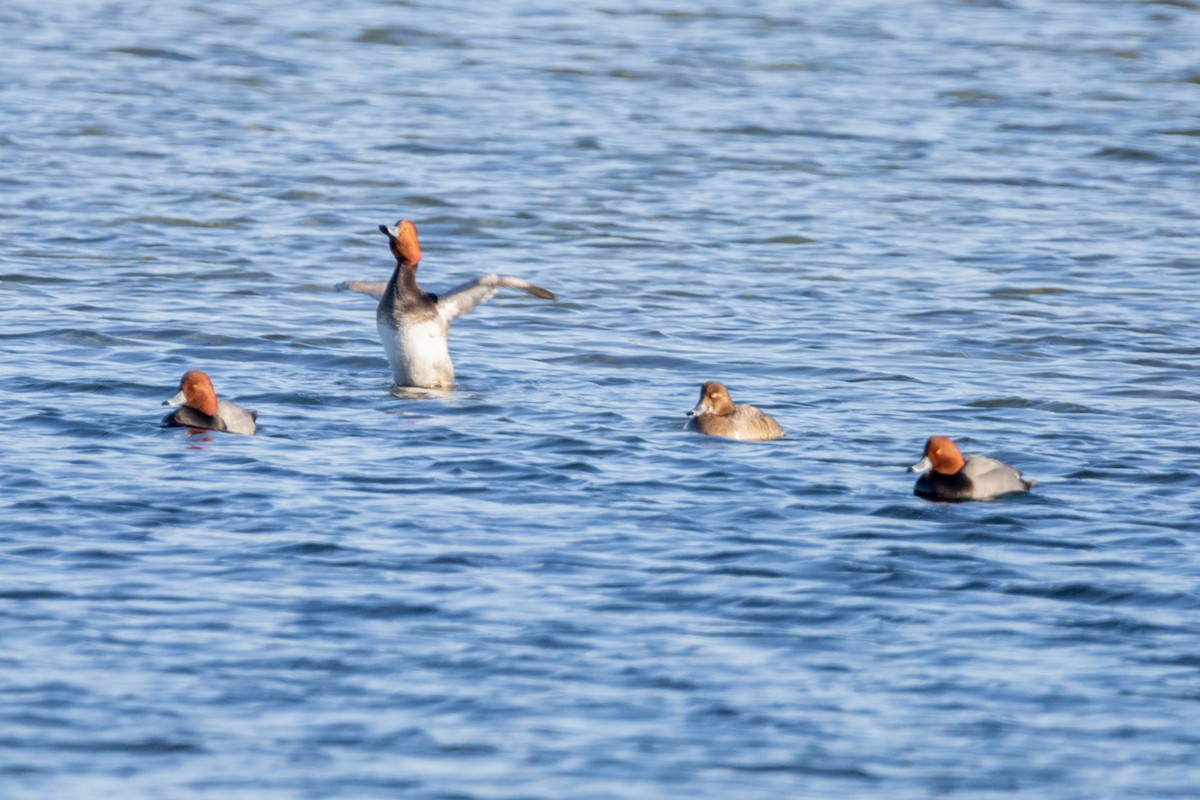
(877, 221)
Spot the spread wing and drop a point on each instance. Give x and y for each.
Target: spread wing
(373, 288)
(461, 299)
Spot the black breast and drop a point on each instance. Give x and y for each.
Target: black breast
(937, 486)
(188, 417)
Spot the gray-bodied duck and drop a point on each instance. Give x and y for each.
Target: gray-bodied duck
(414, 325)
(949, 475)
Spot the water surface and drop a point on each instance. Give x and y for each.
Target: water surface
(877, 221)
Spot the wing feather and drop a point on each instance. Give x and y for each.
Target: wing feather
(461, 299)
(373, 288)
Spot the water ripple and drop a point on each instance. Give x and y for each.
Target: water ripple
(875, 222)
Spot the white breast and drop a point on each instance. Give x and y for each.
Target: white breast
(419, 353)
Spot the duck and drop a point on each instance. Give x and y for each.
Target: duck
(203, 411)
(414, 325)
(949, 475)
(716, 415)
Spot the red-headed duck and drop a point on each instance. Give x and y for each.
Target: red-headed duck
(949, 475)
(201, 408)
(716, 415)
(414, 325)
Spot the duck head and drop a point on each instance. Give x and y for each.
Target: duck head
(714, 399)
(941, 455)
(402, 239)
(195, 391)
